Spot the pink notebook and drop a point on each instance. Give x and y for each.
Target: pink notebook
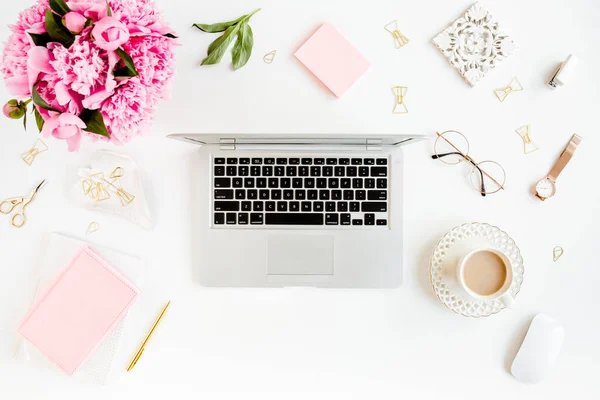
(78, 311)
(332, 59)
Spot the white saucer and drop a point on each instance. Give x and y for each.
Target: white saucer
(455, 244)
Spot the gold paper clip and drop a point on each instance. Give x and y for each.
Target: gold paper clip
(399, 39)
(525, 133)
(125, 197)
(117, 173)
(93, 227)
(100, 193)
(38, 147)
(270, 57)
(400, 106)
(557, 253)
(513, 86)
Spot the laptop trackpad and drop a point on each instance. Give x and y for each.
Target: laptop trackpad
(300, 255)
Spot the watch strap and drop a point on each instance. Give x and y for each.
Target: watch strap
(565, 157)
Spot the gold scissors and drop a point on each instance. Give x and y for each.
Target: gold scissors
(9, 205)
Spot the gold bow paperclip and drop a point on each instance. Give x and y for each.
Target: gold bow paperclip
(513, 86)
(98, 188)
(38, 147)
(399, 39)
(525, 133)
(270, 57)
(400, 106)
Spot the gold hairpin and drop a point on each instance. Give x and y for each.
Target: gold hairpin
(529, 145)
(400, 106)
(38, 147)
(270, 57)
(513, 86)
(557, 253)
(399, 39)
(93, 227)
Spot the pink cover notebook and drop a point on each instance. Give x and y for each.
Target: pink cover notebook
(77, 312)
(332, 59)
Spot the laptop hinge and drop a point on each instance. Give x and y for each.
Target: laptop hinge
(374, 144)
(227, 144)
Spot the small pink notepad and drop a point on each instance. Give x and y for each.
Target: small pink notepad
(77, 312)
(332, 59)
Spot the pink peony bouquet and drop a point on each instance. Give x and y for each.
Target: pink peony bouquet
(93, 68)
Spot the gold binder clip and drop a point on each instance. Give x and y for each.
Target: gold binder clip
(270, 57)
(525, 133)
(38, 147)
(399, 39)
(557, 253)
(93, 227)
(400, 106)
(513, 86)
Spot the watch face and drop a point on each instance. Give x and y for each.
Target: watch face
(545, 188)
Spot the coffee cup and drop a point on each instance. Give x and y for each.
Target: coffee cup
(487, 274)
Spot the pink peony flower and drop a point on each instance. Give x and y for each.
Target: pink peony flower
(67, 127)
(74, 22)
(109, 33)
(94, 9)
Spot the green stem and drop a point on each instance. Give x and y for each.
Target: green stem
(27, 102)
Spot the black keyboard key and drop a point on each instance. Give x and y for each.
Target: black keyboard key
(374, 206)
(345, 183)
(381, 222)
(282, 206)
(257, 219)
(249, 183)
(222, 182)
(294, 161)
(312, 195)
(370, 183)
(361, 195)
(345, 219)
(270, 206)
(342, 206)
(297, 183)
(309, 183)
(282, 161)
(334, 183)
(240, 194)
(369, 219)
(324, 194)
(220, 217)
(344, 161)
(279, 171)
(307, 161)
(357, 222)
(273, 183)
(340, 171)
(258, 206)
(363, 171)
(243, 219)
(269, 161)
(252, 194)
(288, 194)
(377, 195)
(285, 183)
(357, 183)
(223, 194)
(232, 170)
(306, 206)
(267, 171)
(355, 206)
(294, 219)
(319, 161)
(369, 161)
(261, 183)
(294, 206)
(300, 194)
(232, 161)
(291, 171)
(263, 194)
(303, 171)
(381, 183)
(244, 161)
(356, 161)
(330, 206)
(219, 170)
(315, 171)
(244, 170)
(382, 161)
(231, 218)
(321, 183)
(331, 161)
(327, 171)
(276, 194)
(378, 171)
(351, 171)
(246, 205)
(219, 161)
(348, 195)
(227, 206)
(336, 195)
(332, 219)
(257, 161)
(238, 182)
(255, 171)
(318, 205)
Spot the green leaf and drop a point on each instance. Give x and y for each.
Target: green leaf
(38, 101)
(128, 70)
(59, 7)
(108, 9)
(170, 36)
(40, 39)
(88, 22)
(242, 50)
(218, 27)
(57, 31)
(217, 49)
(39, 120)
(95, 122)
(13, 102)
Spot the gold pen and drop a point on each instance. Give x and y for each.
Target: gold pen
(148, 336)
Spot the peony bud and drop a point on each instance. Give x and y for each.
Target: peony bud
(74, 22)
(14, 109)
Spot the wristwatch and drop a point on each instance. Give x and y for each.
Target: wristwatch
(546, 188)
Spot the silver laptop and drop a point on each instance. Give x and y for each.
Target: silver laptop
(298, 210)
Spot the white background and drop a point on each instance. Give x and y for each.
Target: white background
(340, 344)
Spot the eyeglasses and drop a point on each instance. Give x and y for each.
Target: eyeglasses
(452, 147)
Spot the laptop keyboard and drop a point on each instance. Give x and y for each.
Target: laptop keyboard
(300, 191)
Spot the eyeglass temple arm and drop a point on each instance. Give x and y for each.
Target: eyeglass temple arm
(481, 172)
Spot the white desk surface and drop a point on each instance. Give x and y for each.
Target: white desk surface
(340, 344)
